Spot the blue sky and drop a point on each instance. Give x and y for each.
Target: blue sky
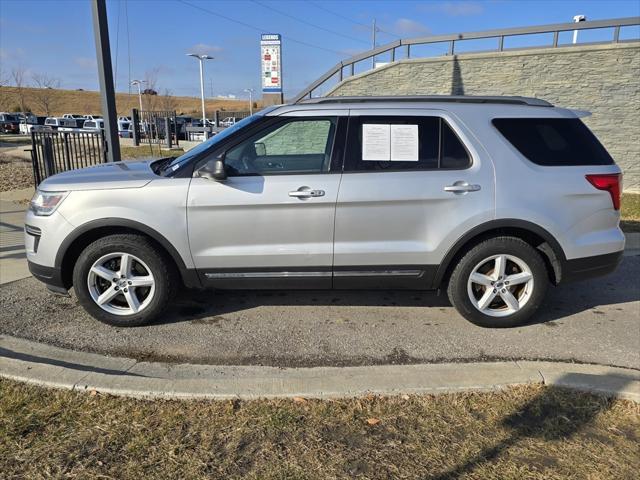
(55, 36)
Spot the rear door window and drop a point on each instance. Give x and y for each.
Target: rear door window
(554, 141)
(396, 143)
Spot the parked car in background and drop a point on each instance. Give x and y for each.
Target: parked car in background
(74, 116)
(93, 125)
(9, 123)
(182, 122)
(52, 123)
(93, 117)
(228, 121)
(124, 130)
(32, 123)
(62, 124)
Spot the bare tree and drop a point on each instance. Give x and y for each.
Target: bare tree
(4, 93)
(167, 101)
(19, 81)
(45, 94)
(151, 82)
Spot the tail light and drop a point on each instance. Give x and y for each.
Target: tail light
(610, 182)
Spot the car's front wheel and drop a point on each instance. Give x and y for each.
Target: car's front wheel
(123, 280)
(500, 282)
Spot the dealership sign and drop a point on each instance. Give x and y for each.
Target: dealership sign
(271, 61)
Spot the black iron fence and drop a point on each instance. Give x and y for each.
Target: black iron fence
(154, 126)
(226, 118)
(54, 152)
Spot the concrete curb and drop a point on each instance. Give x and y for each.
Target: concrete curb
(49, 366)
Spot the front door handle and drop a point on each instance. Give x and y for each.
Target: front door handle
(306, 192)
(461, 187)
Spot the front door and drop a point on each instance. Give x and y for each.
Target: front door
(270, 223)
(412, 185)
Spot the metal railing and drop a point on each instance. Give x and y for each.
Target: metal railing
(154, 126)
(451, 40)
(54, 152)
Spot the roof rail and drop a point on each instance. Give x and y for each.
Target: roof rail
(512, 100)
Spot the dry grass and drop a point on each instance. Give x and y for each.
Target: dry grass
(630, 212)
(524, 432)
(146, 151)
(86, 102)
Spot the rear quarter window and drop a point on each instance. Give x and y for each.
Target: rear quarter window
(554, 141)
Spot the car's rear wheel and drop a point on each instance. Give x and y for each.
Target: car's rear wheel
(123, 280)
(500, 282)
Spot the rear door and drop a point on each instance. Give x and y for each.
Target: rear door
(413, 183)
(271, 222)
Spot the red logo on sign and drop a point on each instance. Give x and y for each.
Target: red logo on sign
(267, 57)
(274, 80)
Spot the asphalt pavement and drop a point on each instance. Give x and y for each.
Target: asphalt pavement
(595, 321)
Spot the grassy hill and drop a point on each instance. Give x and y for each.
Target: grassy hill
(88, 102)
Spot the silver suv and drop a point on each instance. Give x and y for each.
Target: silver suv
(491, 198)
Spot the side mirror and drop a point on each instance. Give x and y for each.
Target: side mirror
(213, 170)
(261, 149)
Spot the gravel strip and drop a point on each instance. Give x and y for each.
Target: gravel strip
(15, 175)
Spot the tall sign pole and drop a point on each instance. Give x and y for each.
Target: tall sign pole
(271, 62)
(105, 75)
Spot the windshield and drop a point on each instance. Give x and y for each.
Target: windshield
(195, 151)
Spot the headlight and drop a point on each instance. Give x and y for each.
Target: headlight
(44, 204)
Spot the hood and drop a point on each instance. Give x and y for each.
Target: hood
(102, 177)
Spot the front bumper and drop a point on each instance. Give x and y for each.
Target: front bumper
(51, 276)
(590, 267)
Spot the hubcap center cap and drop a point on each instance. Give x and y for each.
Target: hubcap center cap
(122, 283)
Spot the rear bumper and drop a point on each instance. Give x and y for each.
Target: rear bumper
(50, 275)
(590, 267)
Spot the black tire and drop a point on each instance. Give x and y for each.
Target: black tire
(458, 292)
(144, 249)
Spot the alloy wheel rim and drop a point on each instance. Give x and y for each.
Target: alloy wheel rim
(500, 285)
(121, 284)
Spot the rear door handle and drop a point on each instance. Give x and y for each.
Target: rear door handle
(306, 192)
(460, 187)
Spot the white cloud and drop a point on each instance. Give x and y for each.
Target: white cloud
(204, 49)
(406, 26)
(86, 62)
(14, 54)
(453, 9)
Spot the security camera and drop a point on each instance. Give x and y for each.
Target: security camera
(579, 18)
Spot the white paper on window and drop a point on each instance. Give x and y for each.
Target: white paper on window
(376, 142)
(404, 143)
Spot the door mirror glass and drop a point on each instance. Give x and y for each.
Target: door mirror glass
(261, 149)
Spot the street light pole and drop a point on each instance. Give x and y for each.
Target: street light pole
(577, 19)
(201, 58)
(250, 91)
(105, 77)
(138, 83)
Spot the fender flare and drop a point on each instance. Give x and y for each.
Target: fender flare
(189, 276)
(496, 225)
